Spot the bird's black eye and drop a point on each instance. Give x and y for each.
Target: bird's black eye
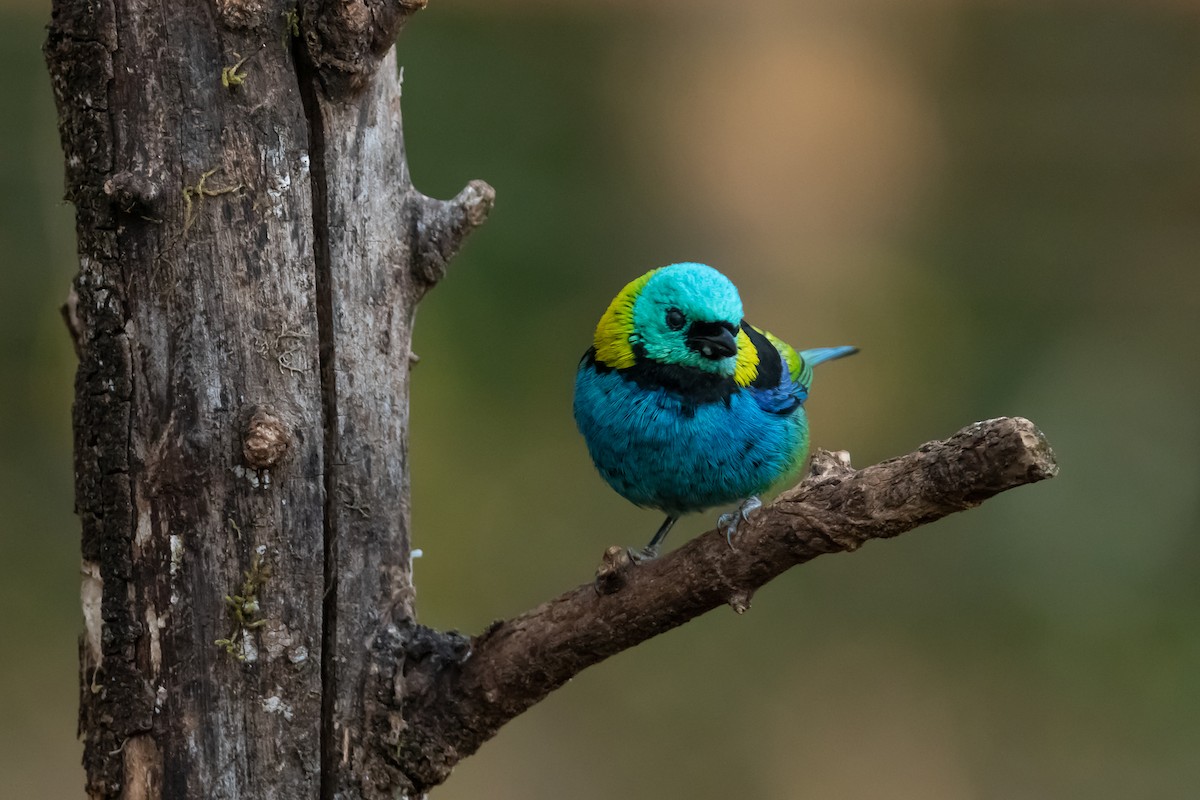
(675, 319)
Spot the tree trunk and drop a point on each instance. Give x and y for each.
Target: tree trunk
(252, 252)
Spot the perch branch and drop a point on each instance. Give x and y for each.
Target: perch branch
(454, 706)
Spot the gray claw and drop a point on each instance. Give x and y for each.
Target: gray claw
(645, 554)
(730, 520)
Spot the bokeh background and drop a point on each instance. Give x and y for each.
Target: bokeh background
(998, 200)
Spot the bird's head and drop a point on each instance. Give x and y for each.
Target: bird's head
(686, 315)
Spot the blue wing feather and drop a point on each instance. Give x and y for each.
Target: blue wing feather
(820, 354)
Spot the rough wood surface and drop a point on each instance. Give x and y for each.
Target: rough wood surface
(515, 663)
(251, 252)
(383, 246)
(195, 309)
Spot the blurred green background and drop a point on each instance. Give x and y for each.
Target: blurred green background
(998, 201)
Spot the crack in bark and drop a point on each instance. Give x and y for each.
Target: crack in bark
(308, 81)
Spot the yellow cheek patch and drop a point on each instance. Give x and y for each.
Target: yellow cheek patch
(746, 369)
(612, 332)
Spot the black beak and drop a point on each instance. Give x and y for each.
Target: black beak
(714, 340)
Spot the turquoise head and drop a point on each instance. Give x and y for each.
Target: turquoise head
(686, 315)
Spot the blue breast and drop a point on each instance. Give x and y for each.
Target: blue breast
(660, 449)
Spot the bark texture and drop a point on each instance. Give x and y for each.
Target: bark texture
(251, 253)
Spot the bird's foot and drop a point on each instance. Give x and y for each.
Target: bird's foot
(648, 553)
(730, 521)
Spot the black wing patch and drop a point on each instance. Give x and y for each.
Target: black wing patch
(770, 362)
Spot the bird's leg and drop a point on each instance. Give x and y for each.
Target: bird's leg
(729, 521)
(650, 551)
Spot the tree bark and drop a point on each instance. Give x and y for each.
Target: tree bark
(252, 252)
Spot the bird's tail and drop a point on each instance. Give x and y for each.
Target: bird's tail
(819, 354)
(810, 358)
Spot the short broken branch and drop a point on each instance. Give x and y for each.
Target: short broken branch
(442, 226)
(514, 664)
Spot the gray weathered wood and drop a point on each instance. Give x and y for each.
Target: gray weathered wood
(386, 245)
(251, 251)
(196, 308)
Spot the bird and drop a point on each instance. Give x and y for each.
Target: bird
(685, 406)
